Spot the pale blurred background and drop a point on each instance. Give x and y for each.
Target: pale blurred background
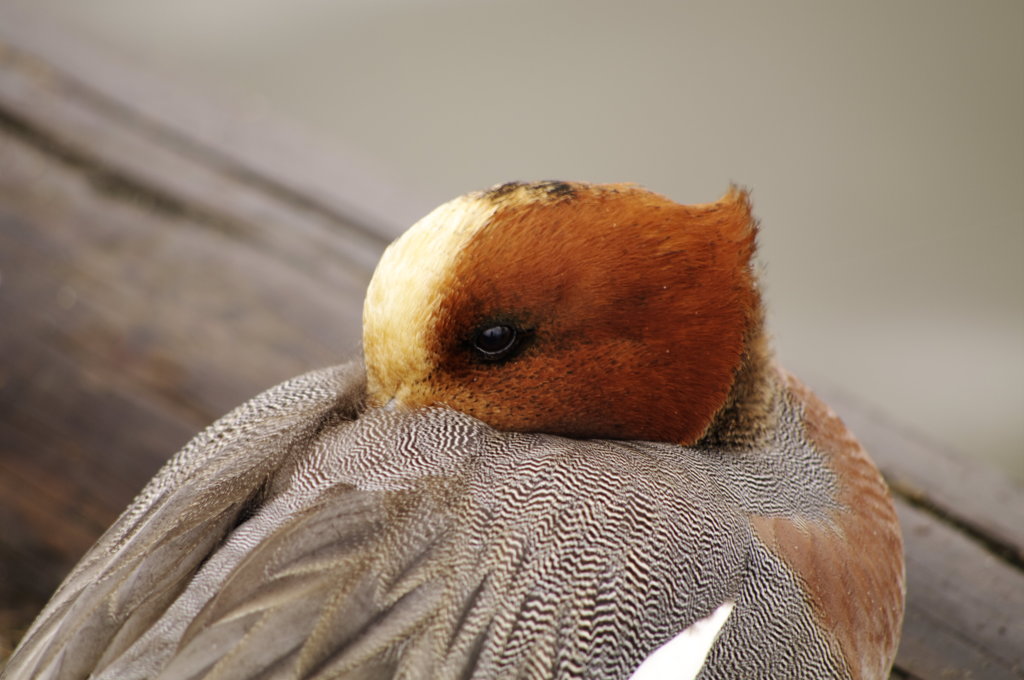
(883, 142)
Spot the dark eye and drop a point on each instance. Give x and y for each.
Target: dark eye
(496, 342)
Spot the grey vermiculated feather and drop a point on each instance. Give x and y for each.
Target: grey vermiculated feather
(300, 538)
(141, 564)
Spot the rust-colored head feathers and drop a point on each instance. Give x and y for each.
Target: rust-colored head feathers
(574, 309)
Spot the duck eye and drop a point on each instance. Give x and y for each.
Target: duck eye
(495, 342)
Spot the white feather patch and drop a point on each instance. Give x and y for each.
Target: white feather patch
(682, 657)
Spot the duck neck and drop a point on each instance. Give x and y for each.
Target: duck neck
(749, 413)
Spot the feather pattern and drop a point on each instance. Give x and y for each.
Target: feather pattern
(302, 537)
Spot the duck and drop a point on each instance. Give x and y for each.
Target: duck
(567, 451)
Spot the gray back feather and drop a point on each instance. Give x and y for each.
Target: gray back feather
(300, 538)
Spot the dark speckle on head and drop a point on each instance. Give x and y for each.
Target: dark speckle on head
(502, 189)
(551, 188)
(555, 188)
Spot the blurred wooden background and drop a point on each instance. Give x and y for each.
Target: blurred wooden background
(153, 277)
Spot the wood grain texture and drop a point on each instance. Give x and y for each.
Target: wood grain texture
(150, 280)
(144, 292)
(964, 604)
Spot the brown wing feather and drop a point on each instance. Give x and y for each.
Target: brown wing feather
(851, 562)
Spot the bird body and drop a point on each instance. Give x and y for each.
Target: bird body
(569, 454)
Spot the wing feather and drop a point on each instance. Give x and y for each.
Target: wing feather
(300, 537)
(146, 559)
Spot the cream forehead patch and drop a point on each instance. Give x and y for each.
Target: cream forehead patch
(407, 288)
(409, 283)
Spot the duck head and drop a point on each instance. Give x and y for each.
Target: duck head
(574, 309)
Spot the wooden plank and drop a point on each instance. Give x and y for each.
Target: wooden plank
(964, 604)
(242, 139)
(124, 154)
